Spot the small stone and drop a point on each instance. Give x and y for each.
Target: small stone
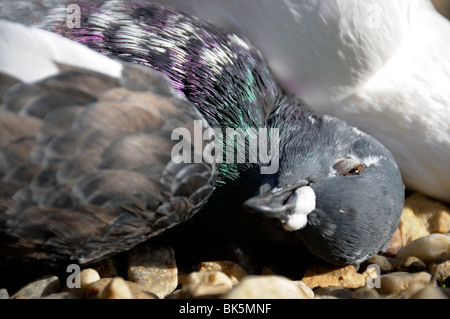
(427, 248)
(155, 269)
(399, 282)
(338, 292)
(411, 264)
(325, 297)
(37, 289)
(330, 276)
(423, 216)
(365, 293)
(4, 294)
(96, 290)
(93, 290)
(74, 293)
(429, 292)
(116, 289)
(386, 264)
(269, 287)
(440, 272)
(88, 276)
(206, 283)
(306, 292)
(231, 269)
(411, 290)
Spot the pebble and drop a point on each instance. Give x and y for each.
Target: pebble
(206, 283)
(365, 293)
(39, 288)
(154, 268)
(4, 294)
(421, 217)
(329, 276)
(400, 282)
(411, 264)
(74, 293)
(429, 292)
(440, 272)
(116, 288)
(88, 276)
(420, 270)
(386, 264)
(231, 269)
(427, 248)
(269, 287)
(338, 292)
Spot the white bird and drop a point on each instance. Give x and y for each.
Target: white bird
(382, 66)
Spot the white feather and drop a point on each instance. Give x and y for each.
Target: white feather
(30, 54)
(382, 66)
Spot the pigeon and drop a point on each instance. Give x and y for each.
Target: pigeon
(104, 168)
(381, 66)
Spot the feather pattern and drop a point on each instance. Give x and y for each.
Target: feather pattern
(90, 174)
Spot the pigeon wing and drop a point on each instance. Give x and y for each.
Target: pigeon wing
(86, 165)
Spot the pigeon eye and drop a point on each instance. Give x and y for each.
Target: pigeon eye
(348, 166)
(355, 170)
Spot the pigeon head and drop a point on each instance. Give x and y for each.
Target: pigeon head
(337, 187)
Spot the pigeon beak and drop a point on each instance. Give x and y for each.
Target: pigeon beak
(290, 205)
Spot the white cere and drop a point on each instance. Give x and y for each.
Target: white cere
(306, 203)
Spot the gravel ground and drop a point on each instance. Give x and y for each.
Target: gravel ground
(417, 265)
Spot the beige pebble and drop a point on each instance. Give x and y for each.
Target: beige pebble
(96, 290)
(440, 270)
(231, 269)
(203, 283)
(154, 268)
(93, 290)
(88, 276)
(427, 248)
(330, 276)
(399, 282)
(116, 289)
(429, 292)
(386, 264)
(423, 216)
(269, 287)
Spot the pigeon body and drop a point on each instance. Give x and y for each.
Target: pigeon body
(381, 66)
(335, 190)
